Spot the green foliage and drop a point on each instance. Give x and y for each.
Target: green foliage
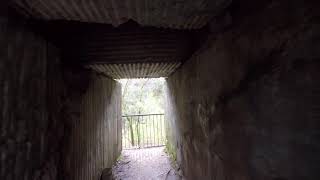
(119, 157)
(171, 151)
(142, 96)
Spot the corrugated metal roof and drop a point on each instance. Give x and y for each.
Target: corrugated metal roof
(128, 43)
(178, 14)
(136, 70)
(135, 54)
(142, 46)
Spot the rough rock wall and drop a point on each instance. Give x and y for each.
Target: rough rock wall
(30, 103)
(94, 140)
(246, 106)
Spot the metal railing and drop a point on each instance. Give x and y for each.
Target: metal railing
(142, 131)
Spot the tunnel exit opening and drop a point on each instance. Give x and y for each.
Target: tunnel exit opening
(143, 120)
(143, 131)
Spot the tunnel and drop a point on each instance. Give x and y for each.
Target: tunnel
(242, 85)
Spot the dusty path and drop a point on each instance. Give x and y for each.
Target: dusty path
(144, 164)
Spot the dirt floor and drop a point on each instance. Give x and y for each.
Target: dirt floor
(144, 164)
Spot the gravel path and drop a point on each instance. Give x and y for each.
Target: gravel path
(144, 164)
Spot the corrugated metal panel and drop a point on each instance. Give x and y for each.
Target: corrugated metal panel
(96, 138)
(129, 43)
(136, 70)
(185, 14)
(142, 46)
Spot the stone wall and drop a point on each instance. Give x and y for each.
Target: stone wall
(31, 128)
(246, 106)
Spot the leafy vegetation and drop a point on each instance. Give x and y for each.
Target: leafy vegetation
(171, 151)
(142, 96)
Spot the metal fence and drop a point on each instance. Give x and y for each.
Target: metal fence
(142, 131)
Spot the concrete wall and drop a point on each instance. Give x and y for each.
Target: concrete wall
(95, 137)
(57, 122)
(246, 106)
(30, 103)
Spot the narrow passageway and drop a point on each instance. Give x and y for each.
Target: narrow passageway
(144, 164)
(102, 89)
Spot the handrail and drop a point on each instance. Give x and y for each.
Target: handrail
(143, 130)
(142, 115)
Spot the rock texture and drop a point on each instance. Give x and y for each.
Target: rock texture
(30, 101)
(245, 106)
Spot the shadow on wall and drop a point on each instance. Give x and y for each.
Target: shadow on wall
(245, 105)
(54, 122)
(31, 122)
(95, 116)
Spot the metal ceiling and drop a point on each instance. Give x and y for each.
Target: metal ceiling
(128, 51)
(139, 45)
(145, 53)
(136, 70)
(177, 14)
(150, 46)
